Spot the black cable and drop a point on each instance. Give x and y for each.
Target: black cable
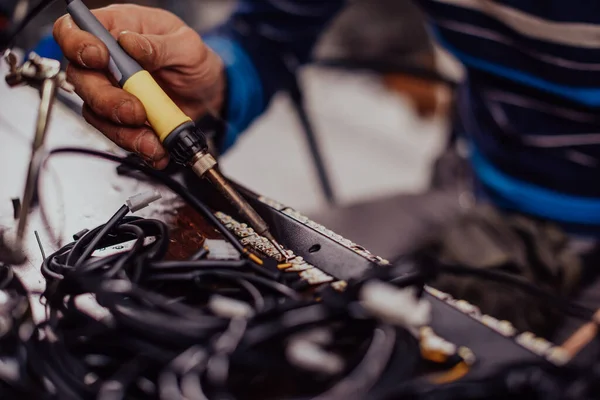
(92, 246)
(200, 254)
(564, 305)
(424, 268)
(137, 287)
(160, 309)
(167, 181)
(30, 16)
(297, 97)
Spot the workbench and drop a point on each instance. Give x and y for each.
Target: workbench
(79, 193)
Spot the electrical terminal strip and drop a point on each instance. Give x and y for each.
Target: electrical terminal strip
(432, 344)
(272, 203)
(298, 265)
(543, 348)
(324, 231)
(315, 276)
(340, 286)
(308, 272)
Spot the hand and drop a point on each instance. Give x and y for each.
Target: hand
(188, 70)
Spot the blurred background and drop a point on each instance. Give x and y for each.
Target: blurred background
(379, 117)
(362, 145)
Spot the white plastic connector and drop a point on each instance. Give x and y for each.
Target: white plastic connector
(229, 308)
(221, 250)
(310, 356)
(396, 306)
(432, 342)
(142, 200)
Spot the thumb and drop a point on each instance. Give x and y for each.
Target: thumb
(149, 50)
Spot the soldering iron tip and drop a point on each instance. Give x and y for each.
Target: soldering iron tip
(277, 246)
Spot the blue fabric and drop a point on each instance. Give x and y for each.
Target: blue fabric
(245, 99)
(530, 101)
(48, 48)
(276, 37)
(522, 196)
(586, 96)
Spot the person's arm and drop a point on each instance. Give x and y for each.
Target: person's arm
(260, 44)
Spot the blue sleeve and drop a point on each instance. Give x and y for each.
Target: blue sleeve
(260, 44)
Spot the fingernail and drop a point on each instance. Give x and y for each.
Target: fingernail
(161, 163)
(148, 145)
(124, 112)
(141, 41)
(89, 55)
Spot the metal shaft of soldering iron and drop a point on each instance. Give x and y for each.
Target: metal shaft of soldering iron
(175, 130)
(243, 208)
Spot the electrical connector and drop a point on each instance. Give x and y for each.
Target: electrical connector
(229, 308)
(142, 200)
(305, 350)
(397, 306)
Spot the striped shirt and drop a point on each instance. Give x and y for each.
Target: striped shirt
(529, 102)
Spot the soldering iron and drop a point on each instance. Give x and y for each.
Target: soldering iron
(186, 144)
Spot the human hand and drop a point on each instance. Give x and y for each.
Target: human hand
(187, 70)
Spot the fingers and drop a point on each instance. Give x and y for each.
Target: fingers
(182, 48)
(87, 51)
(79, 46)
(104, 99)
(141, 140)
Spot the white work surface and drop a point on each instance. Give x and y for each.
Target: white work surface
(77, 192)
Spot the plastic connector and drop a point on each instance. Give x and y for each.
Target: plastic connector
(400, 307)
(433, 343)
(229, 308)
(306, 351)
(80, 234)
(142, 200)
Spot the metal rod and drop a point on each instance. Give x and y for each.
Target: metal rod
(48, 91)
(242, 207)
(39, 241)
(311, 138)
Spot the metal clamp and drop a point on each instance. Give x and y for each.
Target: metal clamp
(35, 71)
(46, 76)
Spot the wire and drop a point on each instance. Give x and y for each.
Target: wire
(161, 309)
(21, 25)
(564, 305)
(161, 178)
(136, 287)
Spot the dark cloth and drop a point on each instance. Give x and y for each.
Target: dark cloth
(529, 102)
(402, 224)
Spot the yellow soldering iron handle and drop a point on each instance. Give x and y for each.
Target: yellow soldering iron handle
(163, 114)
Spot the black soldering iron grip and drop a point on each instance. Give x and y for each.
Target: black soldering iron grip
(185, 142)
